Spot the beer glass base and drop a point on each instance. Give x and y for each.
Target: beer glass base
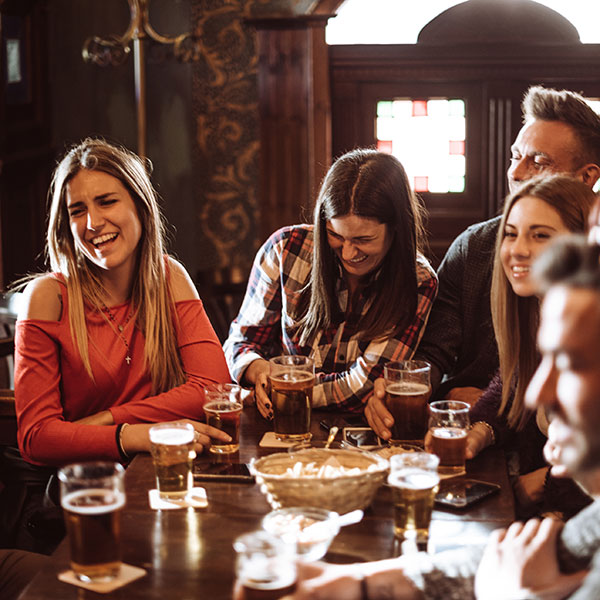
(293, 437)
(452, 471)
(174, 496)
(408, 540)
(224, 448)
(104, 573)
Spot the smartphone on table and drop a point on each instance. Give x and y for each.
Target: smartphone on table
(362, 437)
(231, 472)
(463, 493)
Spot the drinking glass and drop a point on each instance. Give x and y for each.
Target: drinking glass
(223, 410)
(291, 379)
(415, 481)
(92, 496)
(172, 449)
(265, 566)
(448, 429)
(408, 388)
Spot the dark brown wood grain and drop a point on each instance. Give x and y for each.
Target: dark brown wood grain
(188, 553)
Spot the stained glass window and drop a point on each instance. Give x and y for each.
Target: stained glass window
(428, 137)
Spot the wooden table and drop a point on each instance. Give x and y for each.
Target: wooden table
(188, 553)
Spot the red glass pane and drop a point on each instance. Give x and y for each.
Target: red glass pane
(419, 108)
(457, 147)
(421, 184)
(384, 146)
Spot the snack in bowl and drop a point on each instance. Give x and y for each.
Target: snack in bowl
(311, 529)
(338, 480)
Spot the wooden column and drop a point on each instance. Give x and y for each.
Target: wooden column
(295, 117)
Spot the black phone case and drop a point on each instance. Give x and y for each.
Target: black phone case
(231, 472)
(464, 493)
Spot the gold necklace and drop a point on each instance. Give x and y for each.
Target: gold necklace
(120, 329)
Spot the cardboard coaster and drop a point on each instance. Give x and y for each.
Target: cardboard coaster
(270, 441)
(127, 574)
(195, 499)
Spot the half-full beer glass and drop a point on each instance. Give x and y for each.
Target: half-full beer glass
(223, 410)
(265, 566)
(415, 481)
(92, 496)
(408, 387)
(448, 429)
(291, 379)
(172, 449)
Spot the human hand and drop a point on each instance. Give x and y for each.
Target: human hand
(478, 439)
(520, 562)
(529, 488)
(378, 416)
(136, 438)
(470, 395)
(326, 582)
(257, 375)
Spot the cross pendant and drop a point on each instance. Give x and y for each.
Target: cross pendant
(128, 359)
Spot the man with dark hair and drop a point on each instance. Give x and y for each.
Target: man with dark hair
(560, 134)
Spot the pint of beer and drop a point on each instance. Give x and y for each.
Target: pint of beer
(415, 482)
(265, 567)
(223, 410)
(172, 449)
(448, 429)
(291, 379)
(408, 389)
(92, 497)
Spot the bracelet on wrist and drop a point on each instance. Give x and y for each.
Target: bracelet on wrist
(119, 439)
(489, 429)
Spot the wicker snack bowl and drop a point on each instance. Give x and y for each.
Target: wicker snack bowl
(335, 479)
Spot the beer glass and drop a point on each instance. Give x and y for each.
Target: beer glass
(414, 480)
(223, 410)
(172, 449)
(448, 428)
(408, 387)
(92, 496)
(265, 566)
(291, 379)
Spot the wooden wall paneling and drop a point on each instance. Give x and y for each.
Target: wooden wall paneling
(294, 112)
(25, 141)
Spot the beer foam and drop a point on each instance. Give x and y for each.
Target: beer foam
(449, 432)
(296, 377)
(171, 436)
(414, 479)
(71, 501)
(407, 388)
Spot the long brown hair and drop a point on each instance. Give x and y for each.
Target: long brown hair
(151, 295)
(516, 318)
(374, 185)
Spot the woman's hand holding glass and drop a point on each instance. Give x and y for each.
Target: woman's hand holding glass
(257, 375)
(376, 413)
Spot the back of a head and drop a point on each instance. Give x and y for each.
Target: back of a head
(571, 108)
(569, 261)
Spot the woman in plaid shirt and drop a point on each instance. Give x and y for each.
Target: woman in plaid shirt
(352, 290)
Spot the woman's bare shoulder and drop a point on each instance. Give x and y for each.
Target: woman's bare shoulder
(42, 299)
(181, 283)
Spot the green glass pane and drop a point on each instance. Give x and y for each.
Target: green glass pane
(456, 184)
(456, 108)
(384, 108)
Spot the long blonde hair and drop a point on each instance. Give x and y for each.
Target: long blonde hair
(151, 296)
(516, 318)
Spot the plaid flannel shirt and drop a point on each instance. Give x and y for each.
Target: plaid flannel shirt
(346, 366)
